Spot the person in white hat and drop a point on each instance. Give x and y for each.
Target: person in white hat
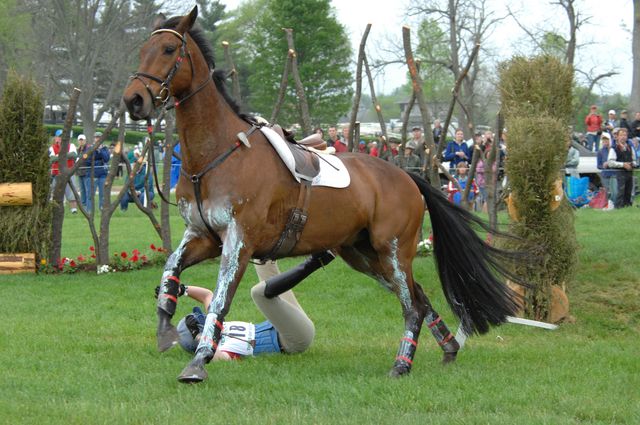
(611, 122)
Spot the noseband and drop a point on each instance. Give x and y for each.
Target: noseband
(164, 94)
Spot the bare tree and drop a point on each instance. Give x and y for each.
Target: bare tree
(89, 44)
(467, 23)
(566, 46)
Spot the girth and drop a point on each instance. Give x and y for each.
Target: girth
(295, 225)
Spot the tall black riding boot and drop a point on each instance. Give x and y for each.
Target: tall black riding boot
(284, 281)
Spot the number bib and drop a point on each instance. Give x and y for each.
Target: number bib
(238, 338)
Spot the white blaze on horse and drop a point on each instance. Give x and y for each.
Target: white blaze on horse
(238, 199)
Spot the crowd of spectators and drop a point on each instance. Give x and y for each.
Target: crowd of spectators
(92, 170)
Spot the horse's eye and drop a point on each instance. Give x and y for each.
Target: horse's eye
(169, 50)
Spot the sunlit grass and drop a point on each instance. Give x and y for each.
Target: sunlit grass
(80, 348)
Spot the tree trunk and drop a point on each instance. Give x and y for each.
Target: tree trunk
(302, 99)
(634, 102)
(102, 251)
(374, 99)
(235, 80)
(358, 93)
(64, 177)
(283, 88)
(431, 168)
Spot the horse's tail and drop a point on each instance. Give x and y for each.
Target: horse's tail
(468, 267)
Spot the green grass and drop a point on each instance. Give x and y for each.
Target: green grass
(80, 348)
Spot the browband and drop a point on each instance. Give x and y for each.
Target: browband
(174, 32)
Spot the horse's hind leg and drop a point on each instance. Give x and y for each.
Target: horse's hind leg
(443, 336)
(191, 251)
(394, 274)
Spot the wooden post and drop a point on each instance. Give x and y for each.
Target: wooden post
(233, 72)
(430, 166)
(302, 99)
(16, 194)
(358, 93)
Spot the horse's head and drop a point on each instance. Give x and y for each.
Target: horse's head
(166, 68)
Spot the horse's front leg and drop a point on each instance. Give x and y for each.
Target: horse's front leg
(233, 263)
(192, 250)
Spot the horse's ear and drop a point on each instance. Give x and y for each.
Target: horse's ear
(158, 20)
(186, 23)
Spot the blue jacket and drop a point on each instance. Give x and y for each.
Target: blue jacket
(603, 156)
(100, 159)
(452, 149)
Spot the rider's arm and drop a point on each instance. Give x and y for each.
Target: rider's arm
(200, 294)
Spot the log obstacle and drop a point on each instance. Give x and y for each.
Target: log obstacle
(16, 194)
(17, 263)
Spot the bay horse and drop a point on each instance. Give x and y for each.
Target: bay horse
(235, 197)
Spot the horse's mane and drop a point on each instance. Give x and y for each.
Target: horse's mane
(219, 75)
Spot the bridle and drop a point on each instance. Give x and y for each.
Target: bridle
(162, 97)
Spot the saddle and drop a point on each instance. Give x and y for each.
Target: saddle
(307, 164)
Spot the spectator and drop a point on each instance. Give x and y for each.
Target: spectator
(571, 164)
(607, 176)
(83, 171)
(462, 176)
(142, 183)
(611, 123)
(410, 161)
(418, 142)
(480, 149)
(362, 147)
(333, 136)
(635, 146)
(635, 126)
(437, 131)
(622, 158)
(345, 135)
(392, 152)
(72, 154)
(319, 132)
(457, 151)
(176, 163)
(593, 121)
(98, 167)
(624, 123)
(373, 148)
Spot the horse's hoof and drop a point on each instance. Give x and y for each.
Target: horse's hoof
(193, 375)
(399, 371)
(448, 358)
(195, 372)
(167, 338)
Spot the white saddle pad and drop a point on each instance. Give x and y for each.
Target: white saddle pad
(333, 173)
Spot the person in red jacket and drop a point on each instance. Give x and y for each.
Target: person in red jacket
(593, 121)
(341, 144)
(72, 154)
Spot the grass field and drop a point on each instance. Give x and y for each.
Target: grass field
(80, 348)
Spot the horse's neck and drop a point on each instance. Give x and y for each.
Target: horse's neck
(207, 127)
